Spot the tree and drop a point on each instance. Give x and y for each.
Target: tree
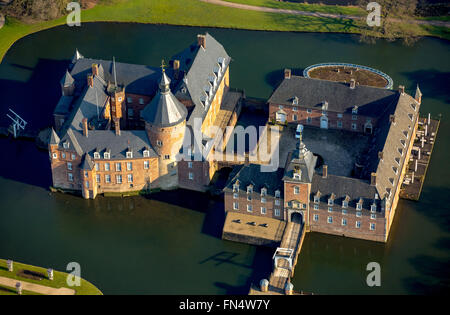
(396, 21)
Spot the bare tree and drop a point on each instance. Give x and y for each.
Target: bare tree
(396, 17)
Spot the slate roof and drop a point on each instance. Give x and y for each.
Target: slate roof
(251, 174)
(342, 186)
(87, 163)
(305, 160)
(341, 98)
(54, 139)
(200, 64)
(67, 79)
(137, 79)
(63, 106)
(164, 110)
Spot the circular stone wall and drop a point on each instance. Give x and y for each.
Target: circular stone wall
(343, 72)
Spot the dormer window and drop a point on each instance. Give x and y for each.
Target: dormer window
(359, 204)
(66, 145)
(345, 201)
(316, 199)
(391, 180)
(297, 175)
(410, 116)
(129, 154)
(146, 153)
(395, 170)
(355, 110)
(373, 207)
(96, 155)
(249, 189)
(331, 200)
(403, 142)
(405, 133)
(263, 191)
(413, 106)
(277, 194)
(106, 155)
(400, 150)
(397, 160)
(295, 100)
(236, 187)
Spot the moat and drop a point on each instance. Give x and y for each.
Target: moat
(136, 244)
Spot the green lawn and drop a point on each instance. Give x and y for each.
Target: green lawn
(335, 9)
(196, 13)
(59, 280)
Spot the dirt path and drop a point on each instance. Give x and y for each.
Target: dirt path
(37, 288)
(314, 14)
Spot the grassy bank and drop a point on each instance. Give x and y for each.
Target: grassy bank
(199, 14)
(59, 280)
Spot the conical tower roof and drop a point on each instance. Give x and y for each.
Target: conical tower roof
(164, 110)
(77, 56)
(54, 139)
(67, 80)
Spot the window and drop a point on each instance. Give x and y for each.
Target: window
(344, 204)
(263, 210)
(167, 157)
(235, 196)
(106, 155)
(190, 164)
(130, 178)
(309, 111)
(97, 167)
(263, 200)
(277, 194)
(97, 178)
(316, 217)
(69, 166)
(355, 110)
(249, 197)
(296, 190)
(73, 156)
(358, 224)
(54, 155)
(141, 101)
(264, 192)
(339, 115)
(235, 206)
(146, 165)
(146, 153)
(70, 176)
(129, 155)
(344, 211)
(353, 126)
(358, 214)
(107, 178)
(294, 109)
(277, 202)
(344, 222)
(316, 199)
(63, 155)
(236, 187)
(295, 101)
(159, 142)
(359, 206)
(294, 117)
(280, 107)
(373, 207)
(339, 123)
(118, 167)
(191, 175)
(372, 226)
(308, 120)
(87, 184)
(330, 209)
(330, 202)
(96, 155)
(373, 216)
(330, 219)
(130, 112)
(297, 175)
(106, 166)
(119, 179)
(129, 166)
(249, 189)
(249, 208)
(354, 117)
(129, 100)
(316, 207)
(86, 174)
(66, 145)
(277, 212)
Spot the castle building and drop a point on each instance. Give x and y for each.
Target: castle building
(362, 206)
(121, 127)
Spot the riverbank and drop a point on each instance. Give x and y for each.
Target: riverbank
(173, 12)
(35, 280)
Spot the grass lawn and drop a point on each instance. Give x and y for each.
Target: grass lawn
(197, 13)
(334, 9)
(59, 280)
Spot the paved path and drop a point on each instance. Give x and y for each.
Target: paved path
(37, 288)
(314, 14)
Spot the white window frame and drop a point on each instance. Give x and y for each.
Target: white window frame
(146, 165)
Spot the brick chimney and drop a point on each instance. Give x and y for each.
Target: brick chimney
(90, 80)
(325, 171)
(401, 89)
(117, 126)
(201, 40)
(373, 179)
(287, 73)
(85, 127)
(352, 83)
(94, 69)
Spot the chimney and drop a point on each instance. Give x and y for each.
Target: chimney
(90, 80)
(117, 126)
(373, 179)
(201, 39)
(287, 73)
(392, 118)
(94, 69)
(325, 171)
(352, 83)
(176, 68)
(401, 89)
(85, 127)
(380, 155)
(247, 159)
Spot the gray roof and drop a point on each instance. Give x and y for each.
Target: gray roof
(251, 175)
(87, 163)
(100, 141)
(304, 160)
(54, 139)
(311, 93)
(342, 186)
(77, 56)
(63, 106)
(200, 64)
(164, 110)
(137, 79)
(67, 79)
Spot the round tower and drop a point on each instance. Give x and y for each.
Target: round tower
(165, 123)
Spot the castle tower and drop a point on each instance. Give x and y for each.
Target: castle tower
(67, 84)
(165, 123)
